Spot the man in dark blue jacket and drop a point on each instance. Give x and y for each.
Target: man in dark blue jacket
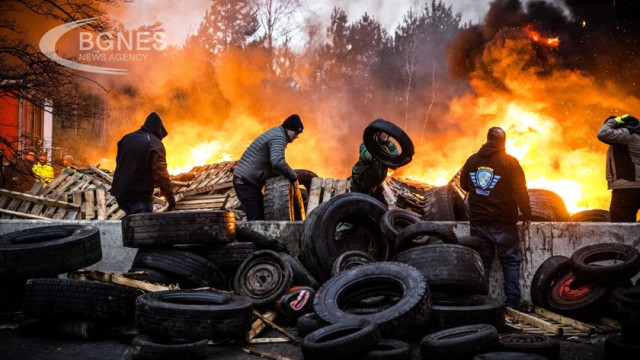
(141, 164)
(497, 187)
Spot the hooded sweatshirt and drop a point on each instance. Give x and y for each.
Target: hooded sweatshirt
(141, 163)
(496, 185)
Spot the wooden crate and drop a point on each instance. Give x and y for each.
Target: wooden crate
(545, 322)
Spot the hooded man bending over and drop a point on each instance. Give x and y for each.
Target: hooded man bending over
(141, 164)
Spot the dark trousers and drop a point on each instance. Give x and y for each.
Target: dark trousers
(507, 240)
(376, 193)
(135, 207)
(251, 198)
(625, 204)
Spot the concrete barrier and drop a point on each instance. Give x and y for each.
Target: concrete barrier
(540, 241)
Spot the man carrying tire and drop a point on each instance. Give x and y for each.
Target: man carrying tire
(497, 187)
(141, 164)
(622, 134)
(368, 173)
(263, 159)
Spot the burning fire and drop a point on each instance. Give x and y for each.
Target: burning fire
(535, 36)
(208, 152)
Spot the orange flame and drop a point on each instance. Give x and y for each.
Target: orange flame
(536, 37)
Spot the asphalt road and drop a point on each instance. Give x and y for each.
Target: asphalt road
(15, 346)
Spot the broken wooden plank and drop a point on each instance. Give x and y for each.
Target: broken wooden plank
(102, 174)
(259, 325)
(284, 332)
(314, 194)
(101, 203)
(341, 186)
(535, 321)
(89, 205)
(36, 199)
(327, 189)
(23, 215)
(578, 325)
(264, 354)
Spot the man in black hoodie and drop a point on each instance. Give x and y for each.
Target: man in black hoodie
(497, 188)
(141, 164)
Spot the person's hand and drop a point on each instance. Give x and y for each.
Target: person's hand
(172, 202)
(525, 224)
(626, 119)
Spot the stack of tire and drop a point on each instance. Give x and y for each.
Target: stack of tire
(30, 262)
(594, 282)
(444, 203)
(189, 248)
(592, 215)
(177, 324)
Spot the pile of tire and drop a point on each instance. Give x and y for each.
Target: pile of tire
(594, 282)
(189, 248)
(444, 203)
(624, 346)
(30, 262)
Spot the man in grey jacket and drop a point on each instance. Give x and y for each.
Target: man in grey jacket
(264, 159)
(622, 134)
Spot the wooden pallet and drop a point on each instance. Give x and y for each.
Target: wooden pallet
(208, 187)
(324, 189)
(545, 322)
(17, 205)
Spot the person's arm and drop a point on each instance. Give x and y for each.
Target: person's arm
(160, 173)
(365, 155)
(393, 150)
(276, 157)
(611, 132)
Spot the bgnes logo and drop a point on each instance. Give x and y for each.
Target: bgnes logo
(105, 41)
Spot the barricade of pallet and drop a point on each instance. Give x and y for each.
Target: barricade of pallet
(207, 187)
(324, 189)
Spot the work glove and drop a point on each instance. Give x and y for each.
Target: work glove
(172, 202)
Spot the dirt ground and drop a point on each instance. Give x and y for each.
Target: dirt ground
(15, 346)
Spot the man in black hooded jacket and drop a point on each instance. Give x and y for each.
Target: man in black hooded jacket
(497, 188)
(141, 164)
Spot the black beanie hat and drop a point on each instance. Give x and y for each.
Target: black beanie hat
(294, 123)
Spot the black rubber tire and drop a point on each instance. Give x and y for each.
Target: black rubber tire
(624, 301)
(11, 291)
(546, 275)
(396, 220)
(443, 203)
(153, 276)
(583, 259)
(489, 311)
(343, 340)
(179, 227)
(389, 349)
(531, 344)
(48, 251)
(583, 301)
(408, 315)
(124, 334)
(547, 205)
(470, 241)
(226, 257)
(619, 347)
(349, 260)
(438, 233)
(459, 343)
(447, 268)
(369, 137)
(507, 355)
(147, 348)
(192, 270)
(278, 199)
(305, 177)
(76, 298)
(261, 241)
(194, 314)
(263, 277)
(593, 215)
(308, 323)
(321, 246)
(301, 276)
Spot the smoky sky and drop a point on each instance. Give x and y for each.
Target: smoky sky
(600, 38)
